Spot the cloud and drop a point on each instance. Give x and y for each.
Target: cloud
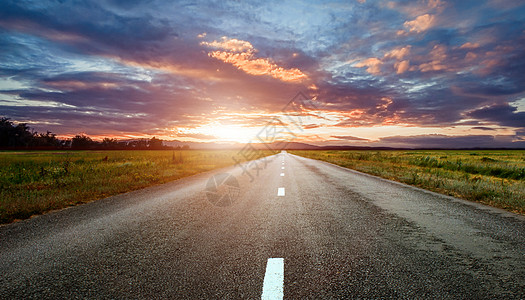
(469, 45)
(398, 53)
(241, 54)
(233, 45)
(502, 114)
(435, 4)
(483, 128)
(418, 8)
(349, 138)
(373, 65)
(199, 136)
(438, 58)
(402, 66)
(420, 24)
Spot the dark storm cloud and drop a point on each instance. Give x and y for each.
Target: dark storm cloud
(483, 128)
(75, 22)
(503, 114)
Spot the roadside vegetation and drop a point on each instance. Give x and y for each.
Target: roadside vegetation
(492, 177)
(33, 182)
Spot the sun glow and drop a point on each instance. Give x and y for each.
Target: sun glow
(229, 133)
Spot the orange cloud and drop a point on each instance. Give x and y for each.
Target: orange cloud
(420, 24)
(436, 4)
(356, 113)
(432, 66)
(488, 65)
(438, 57)
(398, 53)
(418, 8)
(233, 45)
(439, 53)
(373, 64)
(402, 66)
(470, 56)
(469, 45)
(241, 54)
(386, 102)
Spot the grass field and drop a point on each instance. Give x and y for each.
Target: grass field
(496, 178)
(35, 182)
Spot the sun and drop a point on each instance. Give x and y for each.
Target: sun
(230, 133)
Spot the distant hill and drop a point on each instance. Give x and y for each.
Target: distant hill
(203, 146)
(215, 146)
(271, 146)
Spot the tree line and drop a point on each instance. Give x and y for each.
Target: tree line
(21, 136)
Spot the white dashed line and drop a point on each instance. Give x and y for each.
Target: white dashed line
(280, 191)
(282, 168)
(273, 279)
(282, 174)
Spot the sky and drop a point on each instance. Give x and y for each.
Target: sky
(424, 73)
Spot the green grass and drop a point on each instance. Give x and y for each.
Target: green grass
(34, 182)
(496, 178)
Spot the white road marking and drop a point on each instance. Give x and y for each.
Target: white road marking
(273, 279)
(282, 168)
(282, 174)
(280, 191)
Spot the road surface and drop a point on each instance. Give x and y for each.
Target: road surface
(300, 228)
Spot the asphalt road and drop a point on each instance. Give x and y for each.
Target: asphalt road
(337, 233)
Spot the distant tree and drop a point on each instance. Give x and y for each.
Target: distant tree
(82, 142)
(141, 144)
(185, 147)
(15, 136)
(6, 127)
(66, 143)
(21, 136)
(122, 145)
(109, 143)
(155, 144)
(47, 140)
